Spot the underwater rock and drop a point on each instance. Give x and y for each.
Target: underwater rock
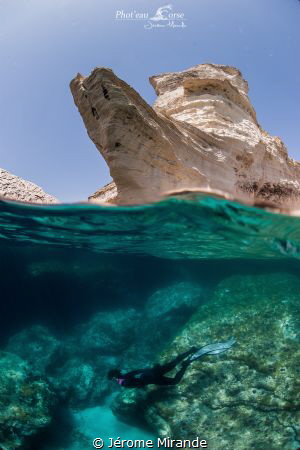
(80, 376)
(123, 338)
(202, 133)
(80, 383)
(178, 299)
(25, 403)
(107, 332)
(36, 346)
(166, 310)
(248, 397)
(15, 188)
(77, 366)
(129, 406)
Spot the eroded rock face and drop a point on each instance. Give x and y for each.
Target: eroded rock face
(202, 133)
(248, 397)
(107, 194)
(15, 188)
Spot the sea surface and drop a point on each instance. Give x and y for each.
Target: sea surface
(63, 267)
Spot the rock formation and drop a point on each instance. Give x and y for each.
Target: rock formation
(76, 365)
(246, 398)
(202, 133)
(26, 402)
(36, 346)
(15, 188)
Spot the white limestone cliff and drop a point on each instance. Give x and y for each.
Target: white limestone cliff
(15, 188)
(201, 134)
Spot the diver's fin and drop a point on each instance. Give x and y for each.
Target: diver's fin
(213, 349)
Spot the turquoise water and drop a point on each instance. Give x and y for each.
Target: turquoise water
(85, 288)
(207, 228)
(100, 421)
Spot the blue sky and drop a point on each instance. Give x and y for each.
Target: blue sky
(44, 43)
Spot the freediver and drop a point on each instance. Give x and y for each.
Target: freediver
(156, 374)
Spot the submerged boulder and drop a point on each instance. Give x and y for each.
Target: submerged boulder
(36, 346)
(77, 366)
(107, 332)
(80, 374)
(166, 310)
(25, 402)
(248, 397)
(81, 383)
(176, 300)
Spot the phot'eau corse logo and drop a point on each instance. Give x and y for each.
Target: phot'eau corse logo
(164, 17)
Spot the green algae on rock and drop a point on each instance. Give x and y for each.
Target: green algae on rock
(25, 402)
(250, 396)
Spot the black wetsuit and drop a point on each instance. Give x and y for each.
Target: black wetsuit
(155, 375)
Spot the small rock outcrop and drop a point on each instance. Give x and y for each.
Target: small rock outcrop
(202, 133)
(15, 188)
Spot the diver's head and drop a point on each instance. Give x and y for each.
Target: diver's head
(113, 373)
